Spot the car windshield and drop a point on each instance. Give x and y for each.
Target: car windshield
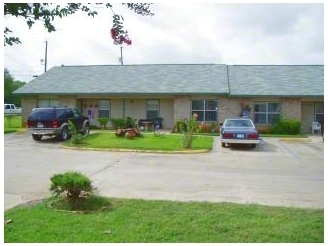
(239, 123)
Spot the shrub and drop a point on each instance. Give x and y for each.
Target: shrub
(213, 127)
(286, 126)
(203, 127)
(103, 121)
(264, 129)
(217, 128)
(191, 128)
(187, 139)
(123, 123)
(117, 122)
(200, 128)
(128, 122)
(77, 138)
(181, 126)
(73, 185)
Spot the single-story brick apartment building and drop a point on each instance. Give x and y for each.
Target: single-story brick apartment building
(177, 91)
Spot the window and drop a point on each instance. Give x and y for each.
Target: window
(44, 103)
(152, 108)
(104, 106)
(76, 113)
(319, 112)
(205, 109)
(266, 112)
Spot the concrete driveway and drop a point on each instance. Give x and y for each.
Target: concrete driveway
(278, 173)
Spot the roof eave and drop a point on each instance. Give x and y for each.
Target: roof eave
(278, 95)
(122, 93)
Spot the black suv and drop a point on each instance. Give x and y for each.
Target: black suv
(54, 122)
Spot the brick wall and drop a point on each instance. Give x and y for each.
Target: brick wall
(181, 108)
(291, 108)
(28, 103)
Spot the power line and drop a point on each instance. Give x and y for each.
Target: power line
(28, 67)
(15, 60)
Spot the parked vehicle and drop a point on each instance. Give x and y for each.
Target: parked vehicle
(10, 109)
(54, 122)
(239, 131)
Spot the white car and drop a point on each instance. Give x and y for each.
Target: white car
(11, 109)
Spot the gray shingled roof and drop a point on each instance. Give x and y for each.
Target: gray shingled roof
(279, 80)
(131, 79)
(234, 80)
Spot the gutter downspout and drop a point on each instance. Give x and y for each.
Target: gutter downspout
(228, 80)
(123, 107)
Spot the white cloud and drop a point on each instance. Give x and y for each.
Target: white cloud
(177, 33)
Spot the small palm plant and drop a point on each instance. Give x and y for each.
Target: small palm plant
(73, 185)
(77, 138)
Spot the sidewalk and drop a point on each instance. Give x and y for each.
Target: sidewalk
(316, 137)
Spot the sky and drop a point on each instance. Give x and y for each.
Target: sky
(178, 33)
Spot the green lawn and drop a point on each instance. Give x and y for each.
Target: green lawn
(12, 123)
(147, 141)
(141, 221)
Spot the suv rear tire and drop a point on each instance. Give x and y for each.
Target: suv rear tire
(36, 137)
(64, 134)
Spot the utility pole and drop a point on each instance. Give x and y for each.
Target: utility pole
(121, 59)
(45, 57)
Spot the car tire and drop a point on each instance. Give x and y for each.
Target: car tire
(86, 129)
(64, 134)
(223, 145)
(36, 137)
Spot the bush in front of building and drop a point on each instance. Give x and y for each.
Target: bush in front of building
(201, 127)
(286, 126)
(103, 121)
(123, 123)
(188, 134)
(264, 129)
(180, 126)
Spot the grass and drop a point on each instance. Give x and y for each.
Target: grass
(12, 123)
(147, 141)
(141, 221)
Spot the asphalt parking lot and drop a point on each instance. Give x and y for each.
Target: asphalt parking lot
(276, 172)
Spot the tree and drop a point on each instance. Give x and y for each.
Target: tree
(47, 12)
(11, 85)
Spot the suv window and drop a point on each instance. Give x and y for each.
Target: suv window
(42, 113)
(70, 114)
(62, 113)
(76, 113)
